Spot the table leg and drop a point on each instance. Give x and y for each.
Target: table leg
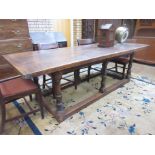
(103, 76)
(130, 65)
(56, 78)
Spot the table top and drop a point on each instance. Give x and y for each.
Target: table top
(37, 63)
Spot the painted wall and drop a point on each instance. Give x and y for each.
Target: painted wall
(63, 25)
(41, 25)
(58, 25)
(77, 30)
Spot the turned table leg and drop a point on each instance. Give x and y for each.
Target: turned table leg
(130, 65)
(56, 78)
(103, 76)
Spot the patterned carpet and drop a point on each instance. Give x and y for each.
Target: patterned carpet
(128, 110)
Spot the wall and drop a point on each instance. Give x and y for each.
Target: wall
(41, 25)
(77, 30)
(57, 25)
(63, 25)
(51, 25)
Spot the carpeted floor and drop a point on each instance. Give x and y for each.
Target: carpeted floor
(128, 110)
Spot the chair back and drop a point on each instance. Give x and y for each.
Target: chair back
(47, 46)
(85, 41)
(5, 80)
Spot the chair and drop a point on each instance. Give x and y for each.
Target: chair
(120, 62)
(45, 47)
(86, 42)
(16, 88)
(7, 72)
(53, 46)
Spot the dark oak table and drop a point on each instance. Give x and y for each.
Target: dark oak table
(56, 61)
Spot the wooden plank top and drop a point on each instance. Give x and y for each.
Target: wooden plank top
(48, 61)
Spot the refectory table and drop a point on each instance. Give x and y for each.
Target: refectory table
(56, 61)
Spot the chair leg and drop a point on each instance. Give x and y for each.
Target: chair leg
(124, 67)
(89, 68)
(40, 101)
(116, 67)
(3, 117)
(76, 77)
(30, 96)
(44, 81)
(36, 81)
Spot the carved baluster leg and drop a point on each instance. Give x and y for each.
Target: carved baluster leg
(103, 75)
(56, 78)
(130, 65)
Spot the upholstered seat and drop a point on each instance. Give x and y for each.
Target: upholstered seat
(16, 86)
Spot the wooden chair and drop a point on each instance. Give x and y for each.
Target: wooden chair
(7, 72)
(86, 42)
(45, 79)
(120, 62)
(45, 47)
(16, 88)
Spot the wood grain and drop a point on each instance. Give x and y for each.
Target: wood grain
(36, 63)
